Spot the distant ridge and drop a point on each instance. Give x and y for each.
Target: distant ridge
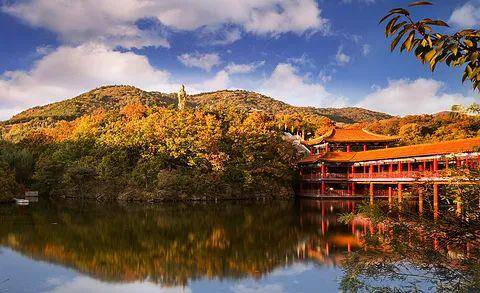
(115, 97)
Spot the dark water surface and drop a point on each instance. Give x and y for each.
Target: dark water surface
(287, 246)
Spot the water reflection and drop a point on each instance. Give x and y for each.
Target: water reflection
(289, 246)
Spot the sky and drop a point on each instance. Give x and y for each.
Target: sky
(322, 53)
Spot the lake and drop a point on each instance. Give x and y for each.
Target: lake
(284, 246)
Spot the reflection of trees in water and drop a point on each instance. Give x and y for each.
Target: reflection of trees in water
(413, 251)
(167, 244)
(172, 244)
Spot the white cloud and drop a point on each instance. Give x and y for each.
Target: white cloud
(114, 22)
(360, 1)
(86, 284)
(220, 36)
(111, 22)
(303, 60)
(69, 71)
(220, 81)
(285, 84)
(342, 58)
(366, 49)
(402, 97)
(203, 61)
(325, 76)
(466, 16)
(258, 288)
(292, 270)
(234, 68)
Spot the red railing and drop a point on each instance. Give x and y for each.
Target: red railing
(403, 174)
(314, 177)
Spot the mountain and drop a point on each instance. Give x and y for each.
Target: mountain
(115, 97)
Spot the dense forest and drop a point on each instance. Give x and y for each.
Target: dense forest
(121, 143)
(416, 129)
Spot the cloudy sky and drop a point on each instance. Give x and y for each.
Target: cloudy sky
(325, 53)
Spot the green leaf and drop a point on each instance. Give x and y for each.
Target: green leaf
(420, 3)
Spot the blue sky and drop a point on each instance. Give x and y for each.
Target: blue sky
(326, 53)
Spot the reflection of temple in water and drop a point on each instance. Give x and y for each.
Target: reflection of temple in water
(332, 239)
(335, 240)
(176, 245)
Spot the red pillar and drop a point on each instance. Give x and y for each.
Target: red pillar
(364, 147)
(400, 192)
(370, 171)
(400, 167)
(323, 187)
(323, 171)
(348, 148)
(371, 193)
(435, 165)
(327, 148)
(353, 188)
(435, 200)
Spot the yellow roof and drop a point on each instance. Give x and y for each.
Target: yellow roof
(351, 136)
(439, 148)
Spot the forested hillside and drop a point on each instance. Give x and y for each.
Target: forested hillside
(416, 129)
(115, 97)
(121, 143)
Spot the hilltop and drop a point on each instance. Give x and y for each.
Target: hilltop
(116, 97)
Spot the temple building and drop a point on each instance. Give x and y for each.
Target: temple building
(337, 165)
(350, 140)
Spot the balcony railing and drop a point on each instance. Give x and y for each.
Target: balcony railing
(316, 177)
(384, 175)
(403, 174)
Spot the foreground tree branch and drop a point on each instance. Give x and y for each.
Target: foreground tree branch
(432, 47)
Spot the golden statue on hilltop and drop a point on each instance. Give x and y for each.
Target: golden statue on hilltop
(182, 98)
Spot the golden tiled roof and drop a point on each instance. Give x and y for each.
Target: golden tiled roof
(351, 136)
(430, 149)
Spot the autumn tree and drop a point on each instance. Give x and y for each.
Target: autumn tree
(431, 46)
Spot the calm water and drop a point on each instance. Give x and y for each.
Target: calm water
(227, 247)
